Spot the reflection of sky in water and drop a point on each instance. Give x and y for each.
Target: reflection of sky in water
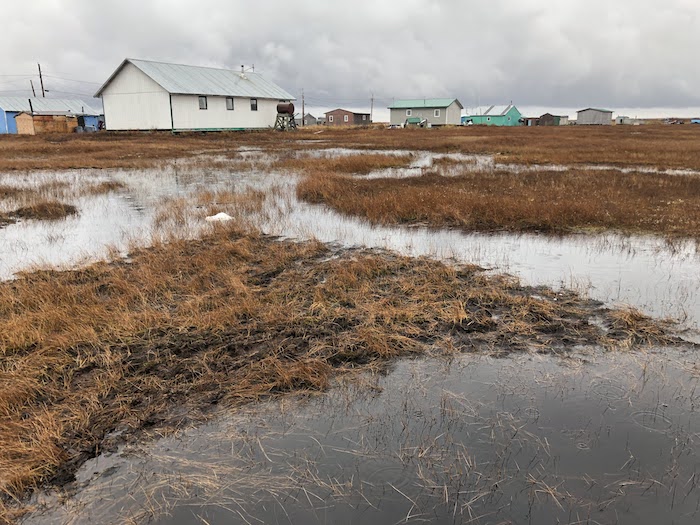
(640, 271)
(614, 435)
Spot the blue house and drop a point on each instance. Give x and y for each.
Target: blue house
(10, 107)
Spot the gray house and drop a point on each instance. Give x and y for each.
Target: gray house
(594, 116)
(433, 111)
(309, 120)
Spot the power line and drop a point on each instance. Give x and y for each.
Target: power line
(74, 80)
(82, 94)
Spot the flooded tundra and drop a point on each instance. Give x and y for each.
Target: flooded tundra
(650, 273)
(653, 274)
(591, 437)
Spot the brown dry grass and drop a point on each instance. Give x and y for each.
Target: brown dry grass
(657, 146)
(557, 202)
(159, 340)
(43, 210)
(360, 164)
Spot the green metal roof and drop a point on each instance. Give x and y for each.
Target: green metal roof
(413, 120)
(424, 103)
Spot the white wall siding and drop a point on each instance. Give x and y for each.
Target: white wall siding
(133, 101)
(187, 115)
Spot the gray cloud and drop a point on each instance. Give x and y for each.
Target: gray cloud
(632, 53)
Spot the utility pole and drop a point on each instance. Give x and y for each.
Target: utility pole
(31, 82)
(303, 112)
(371, 108)
(41, 79)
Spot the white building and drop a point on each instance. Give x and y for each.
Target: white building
(145, 95)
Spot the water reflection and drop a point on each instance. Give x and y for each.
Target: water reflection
(646, 272)
(608, 438)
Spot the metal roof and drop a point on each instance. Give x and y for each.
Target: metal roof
(178, 79)
(498, 110)
(595, 109)
(346, 111)
(49, 106)
(425, 103)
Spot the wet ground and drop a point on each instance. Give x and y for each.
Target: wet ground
(594, 438)
(652, 274)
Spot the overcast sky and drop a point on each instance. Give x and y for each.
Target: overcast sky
(537, 53)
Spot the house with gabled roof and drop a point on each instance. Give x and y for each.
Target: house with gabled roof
(307, 120)
(507, 115)
(433, 111)
(146, 95)
(345, 117)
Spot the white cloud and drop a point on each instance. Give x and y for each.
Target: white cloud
(631, 53)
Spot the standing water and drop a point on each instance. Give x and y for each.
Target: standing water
(593, 438)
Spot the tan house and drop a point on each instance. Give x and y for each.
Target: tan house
(343, 117)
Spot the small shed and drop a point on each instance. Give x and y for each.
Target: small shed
(594, 117)
(627, 121)
(34, 124)
(308, 120)
(553, 120)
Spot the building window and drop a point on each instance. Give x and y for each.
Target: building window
(229, 103)
(202, 102)
(437, 113)
(253, 104)
(364, 117)
(488, 119)
(330, 118)
(345, 118)
(409, 112)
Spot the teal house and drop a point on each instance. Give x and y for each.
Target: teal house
(496, 116)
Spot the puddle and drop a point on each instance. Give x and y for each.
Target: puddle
(525, 439)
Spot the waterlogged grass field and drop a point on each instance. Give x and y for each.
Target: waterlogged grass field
(134, 333)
